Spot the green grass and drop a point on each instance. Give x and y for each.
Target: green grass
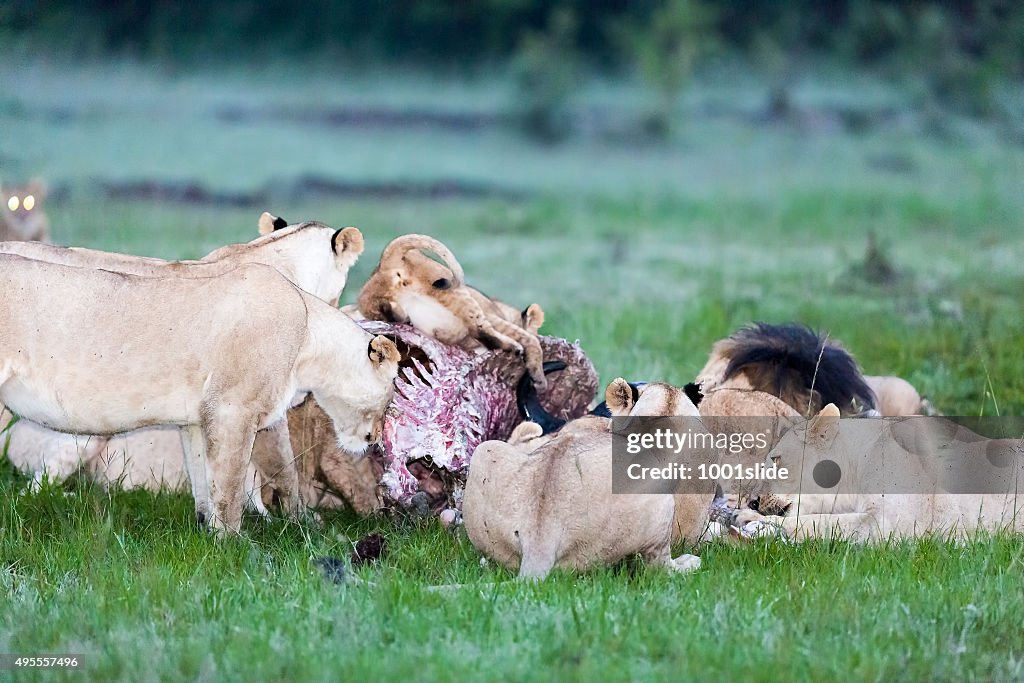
(125, 580)
(645, 254)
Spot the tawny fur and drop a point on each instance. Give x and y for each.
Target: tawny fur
(410, 287)
(97, 352)
(542, 503)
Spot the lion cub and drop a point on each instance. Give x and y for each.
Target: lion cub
(21, 212)
(410, 287)
(548, 503)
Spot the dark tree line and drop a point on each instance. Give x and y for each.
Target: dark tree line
(468, 32)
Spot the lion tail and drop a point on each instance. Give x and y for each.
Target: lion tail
(538, 558)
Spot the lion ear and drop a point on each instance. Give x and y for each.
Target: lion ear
(347, 245)
(620, 397)
(383, 355)
(267, 223)
(824, 426)
(533, 317)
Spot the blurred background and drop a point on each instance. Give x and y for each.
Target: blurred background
(653, 173)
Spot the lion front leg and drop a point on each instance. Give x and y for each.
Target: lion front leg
(229, 439)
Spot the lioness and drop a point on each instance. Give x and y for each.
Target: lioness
(314, 256)
(99, 352)
(872, 455)
(546, 503)
(21, 212)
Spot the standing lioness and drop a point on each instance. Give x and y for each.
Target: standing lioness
(88, 351)
(314, 256)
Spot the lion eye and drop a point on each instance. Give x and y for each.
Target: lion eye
(29, 203)
(13, 203)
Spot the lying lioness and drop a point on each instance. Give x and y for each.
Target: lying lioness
(98, 352)
(547, 502)
(314, 256)
(931, 455)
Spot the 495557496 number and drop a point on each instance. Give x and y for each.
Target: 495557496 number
(39, 661)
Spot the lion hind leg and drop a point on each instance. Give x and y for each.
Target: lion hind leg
(533, 355)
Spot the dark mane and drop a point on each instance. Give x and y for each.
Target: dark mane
(802, 367)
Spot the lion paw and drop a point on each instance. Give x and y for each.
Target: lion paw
(745, 516)
(684, 564)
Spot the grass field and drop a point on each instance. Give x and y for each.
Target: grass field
(646, 253)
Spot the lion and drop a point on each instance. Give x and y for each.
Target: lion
(409, 287)
(329, 477)
(100, 352)
(763, 377)
(542, 503)
(134, 460)
(314, 256)
(876, 462)
(21, 212)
